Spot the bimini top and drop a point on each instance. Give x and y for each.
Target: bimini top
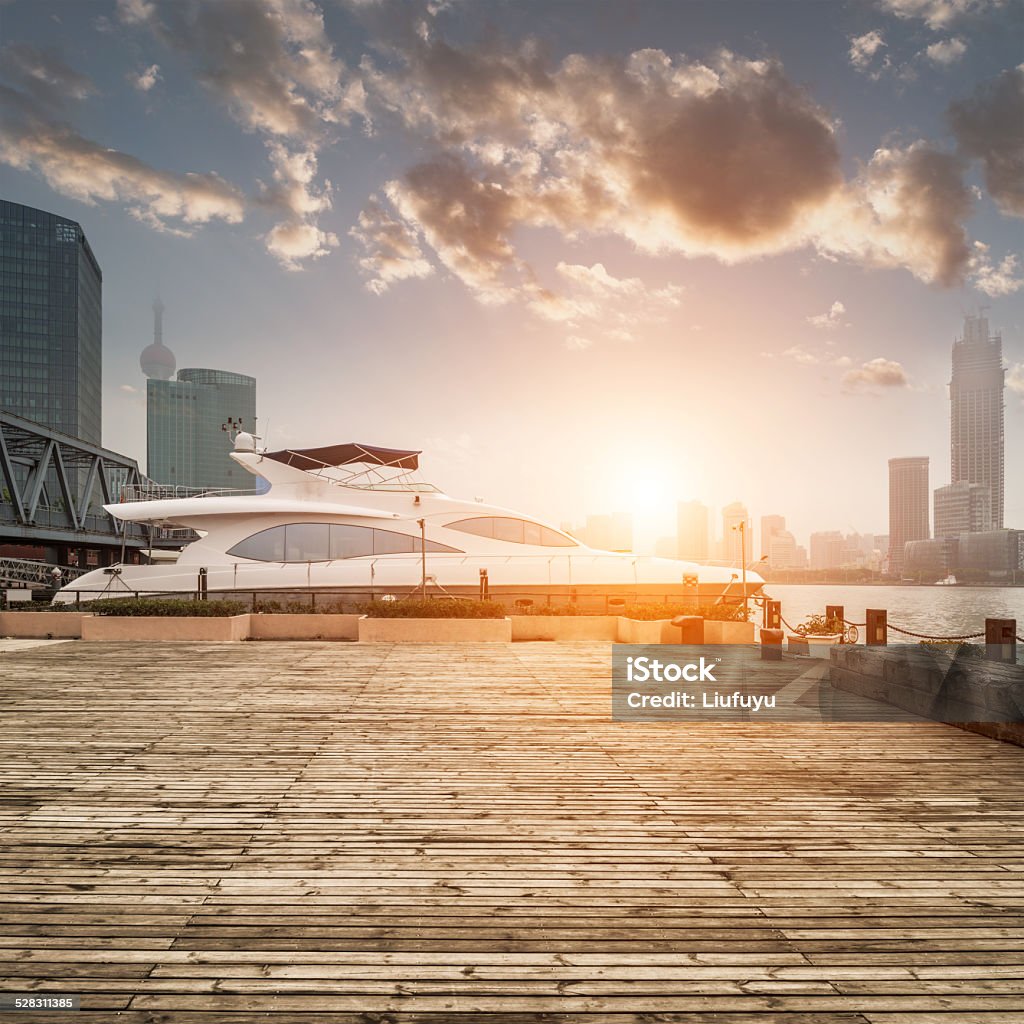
(345, 455)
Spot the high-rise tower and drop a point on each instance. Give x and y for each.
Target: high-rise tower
(51, 327)
(976, 411)
(908, 506)
(157, 360)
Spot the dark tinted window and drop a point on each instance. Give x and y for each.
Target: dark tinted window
(265, 546)
(307, 542)
(351, 541)
(321, 542)
(518, 531)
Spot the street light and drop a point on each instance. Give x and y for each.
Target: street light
(742, 527)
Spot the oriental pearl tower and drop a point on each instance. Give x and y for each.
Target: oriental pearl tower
(157, 360)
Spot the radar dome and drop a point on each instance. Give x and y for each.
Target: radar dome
(244, 442)
(157, 361)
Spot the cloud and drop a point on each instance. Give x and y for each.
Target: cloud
(906, 208)
(877, 373)
(574, 343)
(390, 250)
(44, 75)
(997, 279)
(85, 170)
(272, 66)
(1015, 379)
(938, 14)
(145, 80)
(989, 126)
(830, 320)
(802, 356)
(864, 48)
(726, 158)
(946, 51)
(723, 160)
(128, 389)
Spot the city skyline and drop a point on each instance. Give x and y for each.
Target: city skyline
(643, 352)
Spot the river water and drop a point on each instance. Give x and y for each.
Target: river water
(939, 611)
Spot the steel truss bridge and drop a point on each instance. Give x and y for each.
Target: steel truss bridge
(54, 487)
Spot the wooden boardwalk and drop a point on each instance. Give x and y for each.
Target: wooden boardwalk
(336, 832)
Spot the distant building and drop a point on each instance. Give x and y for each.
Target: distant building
(827, 549)
(188, 434)
(784, 552)
(1000, 553)
(962, 508)
(770, 526)
(976, 412)
(733, 515)
(51, 325)
(908, 506)
(607, 532)
(930, 559)
(692, 531)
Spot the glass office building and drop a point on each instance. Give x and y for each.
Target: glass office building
(51, 329)
(190, 424)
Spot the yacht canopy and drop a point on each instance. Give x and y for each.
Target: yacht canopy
(345, 455)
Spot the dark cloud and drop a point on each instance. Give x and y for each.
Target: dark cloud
(989, 126)
(43, 74)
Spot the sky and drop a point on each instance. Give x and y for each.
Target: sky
(590, 257)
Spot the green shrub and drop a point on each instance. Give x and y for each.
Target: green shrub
(438, 608)
(322, 607)
(165, 607)
(713, 612)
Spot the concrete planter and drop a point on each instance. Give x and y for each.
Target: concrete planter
(303, 627)
(650, 631)
(42, 625)
(820, 646)
(165, 627)
(728, 632)
(434, 631)
(565, 627)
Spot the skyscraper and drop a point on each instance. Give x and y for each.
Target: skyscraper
(962, 508)
(770, 526)
(908, 506)
(736, 546)
(51, 329)
(188, 433)
(976, 411)
(692, 531)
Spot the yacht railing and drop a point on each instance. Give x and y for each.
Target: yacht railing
(162, 492)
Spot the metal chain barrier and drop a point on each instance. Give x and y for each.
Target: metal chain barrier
(926, 636)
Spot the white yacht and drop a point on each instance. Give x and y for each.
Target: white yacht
(353, 520)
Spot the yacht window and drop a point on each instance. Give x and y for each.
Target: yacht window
(482, 527)
(265, 546)
(351, 541)
(509, 530)
(387, 543)
(517, 531)
(322, 542)
(307, 542)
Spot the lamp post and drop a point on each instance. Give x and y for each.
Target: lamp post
(742, 527)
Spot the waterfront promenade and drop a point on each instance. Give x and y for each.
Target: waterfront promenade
(283, 832)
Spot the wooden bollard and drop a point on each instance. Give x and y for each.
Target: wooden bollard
(876, 627)
(1001, 640)
(773, 615)
(834, 613)
(771, 644)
